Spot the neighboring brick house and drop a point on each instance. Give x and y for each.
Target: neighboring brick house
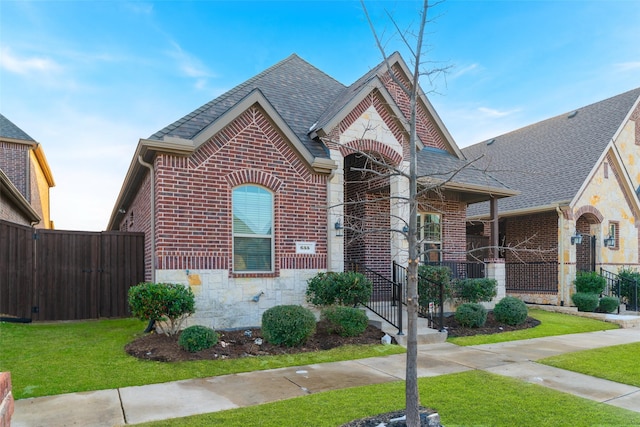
(577, 173)
(25, 178)
(255, 192)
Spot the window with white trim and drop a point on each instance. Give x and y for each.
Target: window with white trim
(252, 229)
(430, 236)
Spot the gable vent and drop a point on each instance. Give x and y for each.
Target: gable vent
(572, 114)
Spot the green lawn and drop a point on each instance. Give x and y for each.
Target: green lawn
(470, 398)
(618, 363)
(55, 358)
(552, 324)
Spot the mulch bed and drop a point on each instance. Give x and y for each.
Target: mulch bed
(243, 342)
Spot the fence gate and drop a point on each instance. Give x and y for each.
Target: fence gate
(67, 275)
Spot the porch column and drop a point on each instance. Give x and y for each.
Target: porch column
(335, 213)
(399, 193)
(494, 240)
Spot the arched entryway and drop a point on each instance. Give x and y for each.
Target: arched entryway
(588, 226)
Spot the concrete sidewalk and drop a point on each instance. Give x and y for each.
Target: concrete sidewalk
(131, 405)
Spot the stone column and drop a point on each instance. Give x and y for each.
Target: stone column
(496, 270)
(335, 200)
(399, 192)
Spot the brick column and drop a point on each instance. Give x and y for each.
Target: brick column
(6, 399)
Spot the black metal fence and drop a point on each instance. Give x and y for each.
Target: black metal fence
(622, 287)
(538, 277)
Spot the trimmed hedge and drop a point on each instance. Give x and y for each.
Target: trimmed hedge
(590, 282)
(608, 304)
(471, 315)
(475, 290)
(511, 310)
(344, 288)
(196, 338)
(585, 301)
(288, 325)
(345, 321)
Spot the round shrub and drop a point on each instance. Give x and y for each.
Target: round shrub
(475, 290)
(344, 288)
(585, 301)
(590, 282)
(608, 304)
(471, 315)
(288, 325)
(345, 321)
(169, 302)
(197, 338)
(511, 310)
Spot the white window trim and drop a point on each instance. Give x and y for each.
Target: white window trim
(271, 236)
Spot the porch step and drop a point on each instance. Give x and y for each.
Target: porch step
(426, 335)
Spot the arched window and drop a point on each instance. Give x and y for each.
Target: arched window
(252, 229)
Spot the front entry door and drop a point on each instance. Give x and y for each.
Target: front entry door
(586, 254)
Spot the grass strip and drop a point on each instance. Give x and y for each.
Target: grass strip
(64, 357)
(617, 363)
(552, 324)
(472, 398)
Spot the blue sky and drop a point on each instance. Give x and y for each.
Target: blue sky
(88, 79)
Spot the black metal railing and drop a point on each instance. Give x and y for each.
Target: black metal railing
(531, 277)
(435, 313)
(622, 287)
(463, 269)
(386, 298)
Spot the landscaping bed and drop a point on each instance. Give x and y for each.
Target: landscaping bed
(243, 342)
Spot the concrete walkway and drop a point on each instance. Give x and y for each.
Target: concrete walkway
(131, 405)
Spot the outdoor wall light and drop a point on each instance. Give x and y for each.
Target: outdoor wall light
(405, 229)
(576, 239)
(339, 229)
(610, 242)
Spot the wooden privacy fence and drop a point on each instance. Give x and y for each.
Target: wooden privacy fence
(67, 275)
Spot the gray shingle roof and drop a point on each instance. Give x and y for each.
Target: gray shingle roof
(442, 165)
(9, 130)
(298, 91)
(548, 161)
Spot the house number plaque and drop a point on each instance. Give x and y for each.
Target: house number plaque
(305, 247)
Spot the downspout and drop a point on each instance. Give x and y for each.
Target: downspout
(152, 231)
(561, 238)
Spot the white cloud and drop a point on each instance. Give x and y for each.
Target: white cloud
(462, 71)
(26, 65)
(493, 113)
(188, 64)
(627, 66)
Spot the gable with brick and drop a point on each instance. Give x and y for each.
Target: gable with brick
(246, 198)
(578, 175)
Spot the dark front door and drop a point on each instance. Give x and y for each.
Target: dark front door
(586, 254)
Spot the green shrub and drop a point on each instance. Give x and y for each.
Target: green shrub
(343, 288)
(345, 321)
(288, 325)
(475, 290)
(585, 301)
(628, 291)
(429, 279)
(590, 282)
(511, 310)
(608, 304)
(168, 302)
(197, 337)
(471, 315)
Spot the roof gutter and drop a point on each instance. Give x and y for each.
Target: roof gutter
(526, 211)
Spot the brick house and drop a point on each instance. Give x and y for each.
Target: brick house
(578, 174)
(253, 193)
(25, 178)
